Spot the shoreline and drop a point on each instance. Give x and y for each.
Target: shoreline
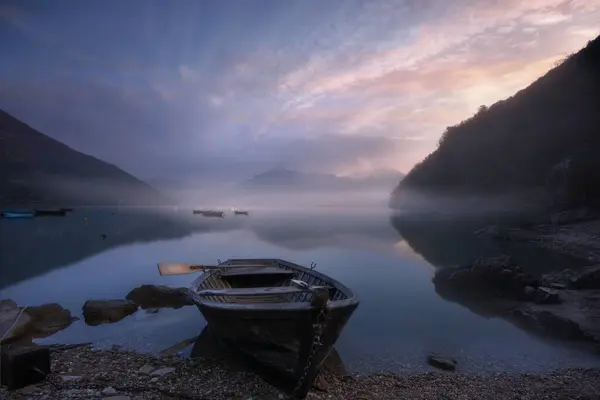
(84, 373)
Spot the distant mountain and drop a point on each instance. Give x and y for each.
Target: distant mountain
(283, 178)
(36, 169)
(544, 140)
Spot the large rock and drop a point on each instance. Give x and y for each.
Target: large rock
(586, 278)
(98, 312)
(152, 296)
(49, 319)
(493, 277)
(12, 328)
(544, 295)
(34, 321)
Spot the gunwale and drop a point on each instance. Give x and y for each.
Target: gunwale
(288, 306)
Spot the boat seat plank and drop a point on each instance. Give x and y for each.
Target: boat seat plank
(258, 271)
(277, 290)
(271, 265)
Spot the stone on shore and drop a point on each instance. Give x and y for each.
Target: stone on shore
(152, 296)
(98, 312)
(162, 371)
(441, 362)
(146, 370)
(109, 391)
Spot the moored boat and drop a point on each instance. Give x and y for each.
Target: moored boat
(11, 214)
(285, 316)
(240, 212)
(209, 213)
(51, 212)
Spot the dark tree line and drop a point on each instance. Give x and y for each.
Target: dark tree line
(519, 143)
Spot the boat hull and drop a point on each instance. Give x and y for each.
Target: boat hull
(276, 331)
(278, 340)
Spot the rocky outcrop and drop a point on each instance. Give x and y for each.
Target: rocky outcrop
(493, 231)
(151, 296)
(551, 323)
(32, 322)
(586, 278)
(498, 277)
(544, 295)
(564, 305)
(98, 312)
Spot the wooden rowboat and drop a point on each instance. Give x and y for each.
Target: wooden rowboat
(285, 316)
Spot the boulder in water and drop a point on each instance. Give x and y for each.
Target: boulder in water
(98, 312)
(13, 322)
(152, 296)
(49, 319)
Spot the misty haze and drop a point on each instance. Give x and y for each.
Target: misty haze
(262, 199)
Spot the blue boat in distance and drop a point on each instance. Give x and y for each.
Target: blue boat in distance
(18, 213)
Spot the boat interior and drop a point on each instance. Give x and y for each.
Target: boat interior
(263, 282)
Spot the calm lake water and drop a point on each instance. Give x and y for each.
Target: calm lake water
(388, 261)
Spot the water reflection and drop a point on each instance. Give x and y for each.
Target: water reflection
(446, 242)
(37, 246)
(401, 318)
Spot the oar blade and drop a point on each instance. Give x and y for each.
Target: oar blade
(165, 269)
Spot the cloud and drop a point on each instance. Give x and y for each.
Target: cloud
(228, 90)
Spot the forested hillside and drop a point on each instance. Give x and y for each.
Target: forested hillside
(36, 169)
(546, 137)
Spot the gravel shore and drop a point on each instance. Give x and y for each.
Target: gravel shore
(84, 373)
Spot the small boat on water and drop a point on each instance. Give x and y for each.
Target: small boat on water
(209, 213)
(285, 316)
(51, 212)
(67, 209)
(10, 214)
(240, 212)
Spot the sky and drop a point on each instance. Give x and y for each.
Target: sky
(202, 90)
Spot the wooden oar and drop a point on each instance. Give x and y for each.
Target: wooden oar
(183, 268)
